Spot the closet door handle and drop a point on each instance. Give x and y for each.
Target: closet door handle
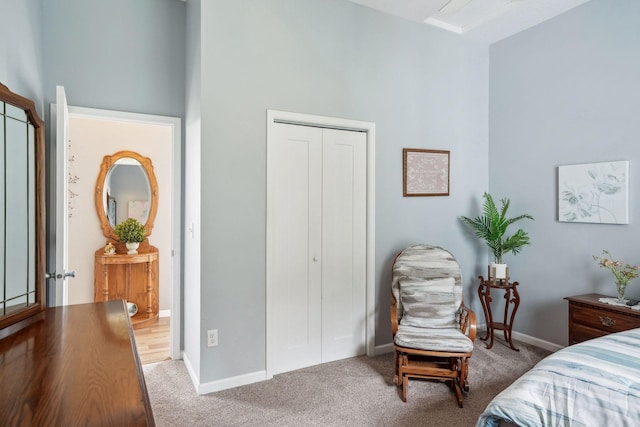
(315, 258)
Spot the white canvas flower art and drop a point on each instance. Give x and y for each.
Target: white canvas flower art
(594, 192)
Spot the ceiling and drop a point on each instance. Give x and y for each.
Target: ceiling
(479, 20)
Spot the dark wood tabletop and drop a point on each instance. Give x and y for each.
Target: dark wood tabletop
(78, 365)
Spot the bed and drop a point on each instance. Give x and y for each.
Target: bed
(594, 383)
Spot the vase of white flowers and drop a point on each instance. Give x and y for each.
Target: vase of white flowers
(622, 272)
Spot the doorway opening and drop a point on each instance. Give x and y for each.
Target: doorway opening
(93, 134)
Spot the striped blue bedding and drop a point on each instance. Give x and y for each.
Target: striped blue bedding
(594, 383)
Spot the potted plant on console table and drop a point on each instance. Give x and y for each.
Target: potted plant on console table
(491, 226)
(131, 232)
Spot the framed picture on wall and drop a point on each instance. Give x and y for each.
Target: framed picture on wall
(425, 172)
(594, 192)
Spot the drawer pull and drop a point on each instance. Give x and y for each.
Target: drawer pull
(607, 321)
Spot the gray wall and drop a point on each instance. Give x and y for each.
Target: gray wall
(565, 92)
(21, 49)
(117, 55)
(423, 87)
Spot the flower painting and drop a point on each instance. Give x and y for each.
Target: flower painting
(594, 192)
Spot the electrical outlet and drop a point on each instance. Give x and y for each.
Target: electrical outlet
(212, 338)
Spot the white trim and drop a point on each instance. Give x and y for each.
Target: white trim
(176, 178)
(528, 339)
(164, 313)
(444, 25)
(58, 134)
(332, 122)
(384, 349)
(190, 370)
(226, 383)
(240, 380)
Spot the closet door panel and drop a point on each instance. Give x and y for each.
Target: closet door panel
(297, 223)
(343, 244)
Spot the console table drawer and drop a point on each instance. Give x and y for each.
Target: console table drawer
(603, 320)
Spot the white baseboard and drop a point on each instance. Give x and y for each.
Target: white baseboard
(254, 377)
(190, 370)
(383, 349)
(212, 386)
(164, 313)
(232, 382)
(528, 339)
(547, 345)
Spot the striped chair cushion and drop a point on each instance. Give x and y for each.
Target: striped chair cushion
(423, 262)
(430, 303)
(440, 339)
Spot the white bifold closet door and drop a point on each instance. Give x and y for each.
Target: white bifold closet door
(319, 259)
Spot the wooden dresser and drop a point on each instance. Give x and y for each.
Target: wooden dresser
(74, 365)
(590, 318)
(133, 278)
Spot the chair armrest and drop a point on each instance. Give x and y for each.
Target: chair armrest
(468, 322)
(393, 309)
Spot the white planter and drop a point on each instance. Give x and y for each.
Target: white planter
(498, 271)
(132, 308)
(132, 247)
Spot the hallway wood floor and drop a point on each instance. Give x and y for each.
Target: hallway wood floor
(153, 342)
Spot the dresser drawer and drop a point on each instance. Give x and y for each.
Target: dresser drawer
(581, 333)
(590, 318)
(603, 320)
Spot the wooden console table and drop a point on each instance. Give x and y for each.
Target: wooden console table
(589, 318)
(512, 301)
(133, 278)
(74, 365)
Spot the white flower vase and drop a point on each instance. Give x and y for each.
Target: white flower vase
(132, 247)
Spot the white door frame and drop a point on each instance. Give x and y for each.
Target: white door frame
(60, 134)
(274, 116)
(175, 123)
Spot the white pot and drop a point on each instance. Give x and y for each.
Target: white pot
(132, 308)
(498, 271)
(132, 247)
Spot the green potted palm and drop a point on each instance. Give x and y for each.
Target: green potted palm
(492, 226)
(131, 232)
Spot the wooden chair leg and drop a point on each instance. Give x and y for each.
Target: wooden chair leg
(458, 392)
(396, 362)
(464, 374)
(405, 385)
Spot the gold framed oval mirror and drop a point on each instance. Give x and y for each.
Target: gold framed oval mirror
(126, 179)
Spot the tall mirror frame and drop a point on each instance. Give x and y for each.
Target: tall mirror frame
(34, 167)
(107, 163)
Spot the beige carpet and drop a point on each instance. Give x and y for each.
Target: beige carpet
(352, 392)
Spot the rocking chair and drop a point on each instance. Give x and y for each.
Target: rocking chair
(433, 331)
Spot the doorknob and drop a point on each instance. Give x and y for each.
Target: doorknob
(60, 276)
(315, 258)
